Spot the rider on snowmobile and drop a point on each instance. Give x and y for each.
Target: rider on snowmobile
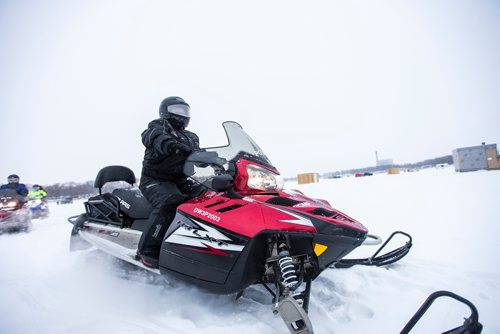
(163, 183)
(37, 192)
(13, 183)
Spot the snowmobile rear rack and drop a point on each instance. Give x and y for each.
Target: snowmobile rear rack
(382, 260)
(471, 324)
(106, 209)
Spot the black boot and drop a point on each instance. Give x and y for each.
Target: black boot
(148, 257)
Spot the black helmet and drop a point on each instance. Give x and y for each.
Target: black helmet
(176, 111)
(13, 178)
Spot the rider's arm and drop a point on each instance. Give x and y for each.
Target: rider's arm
(195, 138)
(22, 190)
(158, 141)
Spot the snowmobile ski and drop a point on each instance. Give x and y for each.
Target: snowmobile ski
(294, 316)
(471, 324)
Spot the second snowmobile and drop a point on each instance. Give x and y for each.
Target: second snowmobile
(14, 215)
(38, 208)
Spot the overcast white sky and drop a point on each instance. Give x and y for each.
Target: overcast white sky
(320, 85)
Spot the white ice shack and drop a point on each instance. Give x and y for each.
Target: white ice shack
(468, 159)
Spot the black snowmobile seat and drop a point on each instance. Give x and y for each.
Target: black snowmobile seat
(133, 203)
(114, 173)
(106, 207)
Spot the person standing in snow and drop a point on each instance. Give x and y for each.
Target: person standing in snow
(163, 183)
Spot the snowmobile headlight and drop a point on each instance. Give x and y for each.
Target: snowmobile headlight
(8, 205)
(263, 179)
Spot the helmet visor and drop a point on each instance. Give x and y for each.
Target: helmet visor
(179, 109)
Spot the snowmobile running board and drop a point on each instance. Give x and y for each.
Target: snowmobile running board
(471, 324)
(382, 260)
(294, 316)
(126, 254)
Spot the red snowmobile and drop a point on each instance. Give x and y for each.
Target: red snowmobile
(14, 214)
(244, 229)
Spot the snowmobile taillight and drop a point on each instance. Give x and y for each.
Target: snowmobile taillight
(263, 179)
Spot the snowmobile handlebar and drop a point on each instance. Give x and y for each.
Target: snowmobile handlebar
(208, 169)
(202, 159)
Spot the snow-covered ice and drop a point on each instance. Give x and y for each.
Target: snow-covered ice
(453, 217)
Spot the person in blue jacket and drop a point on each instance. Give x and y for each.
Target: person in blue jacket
(13, 183)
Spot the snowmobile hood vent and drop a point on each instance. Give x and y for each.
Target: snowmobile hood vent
(323, 212)
(343, 231)
(283, 201)
(214, 204)
(229, 208)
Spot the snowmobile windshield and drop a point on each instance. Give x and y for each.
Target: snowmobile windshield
(210, 166)
(239, 143)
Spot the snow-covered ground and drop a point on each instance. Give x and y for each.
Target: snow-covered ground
(452, 217)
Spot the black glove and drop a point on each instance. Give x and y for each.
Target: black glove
(178, 148)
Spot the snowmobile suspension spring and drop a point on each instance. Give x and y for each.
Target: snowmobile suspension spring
(288, 274)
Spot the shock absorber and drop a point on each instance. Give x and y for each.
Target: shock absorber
(289, 278)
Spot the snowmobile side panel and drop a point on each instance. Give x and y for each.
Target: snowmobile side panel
(247, 269)
(200, 250)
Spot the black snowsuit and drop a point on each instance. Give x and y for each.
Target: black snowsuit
(162, 181)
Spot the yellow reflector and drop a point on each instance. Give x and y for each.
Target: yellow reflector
(319, 249)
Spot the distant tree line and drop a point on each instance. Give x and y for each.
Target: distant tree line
(80, 190)
(72, 189)
(444, 160)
